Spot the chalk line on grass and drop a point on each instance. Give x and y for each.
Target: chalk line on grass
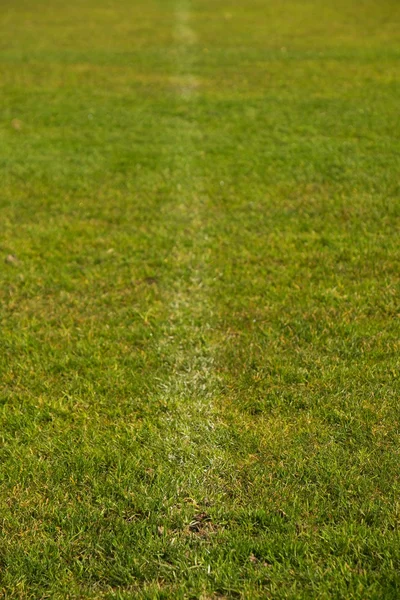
(191, 388)
(185, 38)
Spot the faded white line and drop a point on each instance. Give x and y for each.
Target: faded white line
(194, 380)
(185, 38)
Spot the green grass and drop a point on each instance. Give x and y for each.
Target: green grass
(199, 299)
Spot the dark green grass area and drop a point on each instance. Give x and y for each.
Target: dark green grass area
(199, 299)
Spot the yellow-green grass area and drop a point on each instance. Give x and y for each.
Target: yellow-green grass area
(199, 262)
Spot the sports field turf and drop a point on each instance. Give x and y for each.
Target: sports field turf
(199, 236)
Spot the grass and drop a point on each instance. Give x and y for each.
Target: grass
(199, 299)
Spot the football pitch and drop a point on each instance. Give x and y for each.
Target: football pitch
(199, 282)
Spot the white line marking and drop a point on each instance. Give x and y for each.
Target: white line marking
(185, 38)
(194, 381)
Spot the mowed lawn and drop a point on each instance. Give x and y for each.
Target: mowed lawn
(199, 236)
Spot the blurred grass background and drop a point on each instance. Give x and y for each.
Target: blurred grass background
(199, 299)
